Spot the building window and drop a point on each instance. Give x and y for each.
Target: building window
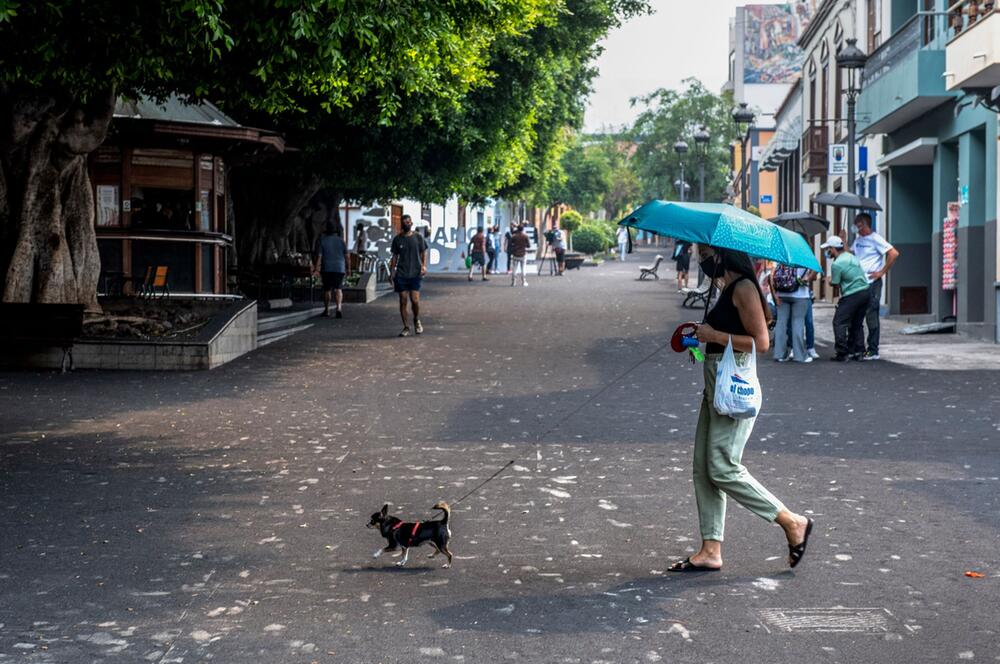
(874, 24)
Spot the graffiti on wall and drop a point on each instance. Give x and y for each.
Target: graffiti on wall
(770, 33)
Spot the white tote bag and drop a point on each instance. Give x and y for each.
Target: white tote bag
(737, 390)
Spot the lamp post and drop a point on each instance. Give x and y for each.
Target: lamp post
(701, 139)
(744, 119)
(852, 60)
(683, 187)
(681, 148)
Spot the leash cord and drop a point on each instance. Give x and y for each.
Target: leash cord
(564, 419)
(601, 391)
(484, 482)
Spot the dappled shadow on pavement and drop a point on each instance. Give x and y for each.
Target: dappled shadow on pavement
(106, 547)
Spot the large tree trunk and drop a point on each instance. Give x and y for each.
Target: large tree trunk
(270, 202)
(48, 246)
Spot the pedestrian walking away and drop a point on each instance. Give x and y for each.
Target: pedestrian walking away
(682, 261)
(492, 248)
(408, 267)
(876, 256)
(518, 248)
(848, 320)
(506, 244)
(360, 240)
(559, 248)
(622, 237)
(789, 287)
(741, 317)
(332, 262)
(477, 251)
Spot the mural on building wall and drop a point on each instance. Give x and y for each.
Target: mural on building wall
(770, 53)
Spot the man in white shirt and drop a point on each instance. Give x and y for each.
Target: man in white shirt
(876, 256)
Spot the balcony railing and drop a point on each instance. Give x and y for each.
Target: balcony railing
(967, 13)
(815, 150)
(923, 30)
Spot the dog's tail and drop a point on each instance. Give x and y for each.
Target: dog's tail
(443, 506)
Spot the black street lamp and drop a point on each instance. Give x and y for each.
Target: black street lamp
(701, 139)
(681, 148)
(744, 119)
(852, 60)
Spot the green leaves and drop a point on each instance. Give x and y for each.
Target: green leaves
(670, 116)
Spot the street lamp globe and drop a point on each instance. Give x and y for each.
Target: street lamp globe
(680, 147)
(702, 137)
(743, 116)
(852, 59)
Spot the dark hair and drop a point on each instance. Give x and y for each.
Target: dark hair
(864, 218)
(332, 227)
(479, 229)
(741, 264)
(405, 217)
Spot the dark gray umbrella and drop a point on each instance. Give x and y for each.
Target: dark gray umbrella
(845, 199)
(802, 222)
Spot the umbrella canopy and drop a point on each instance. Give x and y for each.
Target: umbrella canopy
(723, 226)
(845, 199)
(802, 222)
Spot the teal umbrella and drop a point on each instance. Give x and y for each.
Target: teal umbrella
(723, 226)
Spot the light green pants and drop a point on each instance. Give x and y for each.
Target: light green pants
(718, 468)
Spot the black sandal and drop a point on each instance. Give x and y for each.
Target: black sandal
(687, 566)
(796, 552)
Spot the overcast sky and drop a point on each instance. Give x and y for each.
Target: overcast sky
(684, 38)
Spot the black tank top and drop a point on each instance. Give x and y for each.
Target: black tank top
(725, 317)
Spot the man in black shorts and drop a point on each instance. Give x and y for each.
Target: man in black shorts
(477, 253)
(682, 255)
(408, 267)
(332, 262)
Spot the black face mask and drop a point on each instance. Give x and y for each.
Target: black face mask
(711, 268)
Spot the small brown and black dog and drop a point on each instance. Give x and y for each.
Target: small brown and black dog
(407, 534)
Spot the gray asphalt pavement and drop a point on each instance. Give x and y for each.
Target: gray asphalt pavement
(220, 516)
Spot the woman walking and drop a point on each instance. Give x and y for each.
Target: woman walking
(740, 314)
(792, 293)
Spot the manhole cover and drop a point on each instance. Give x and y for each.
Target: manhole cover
(838, 619)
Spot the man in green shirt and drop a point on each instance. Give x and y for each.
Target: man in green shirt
(848, 321)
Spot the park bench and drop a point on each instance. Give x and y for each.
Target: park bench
(34, 326)
(651, 270)
(694, 297)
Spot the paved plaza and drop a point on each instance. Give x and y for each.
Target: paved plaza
(219, 516)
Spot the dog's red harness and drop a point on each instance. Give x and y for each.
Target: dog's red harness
(413, 533)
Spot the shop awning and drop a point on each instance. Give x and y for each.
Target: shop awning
(916, 153)
(783, 144)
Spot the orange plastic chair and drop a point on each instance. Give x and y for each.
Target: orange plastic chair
(160, 282)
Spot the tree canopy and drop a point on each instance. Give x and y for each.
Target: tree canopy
(270, 56)
(670, 116)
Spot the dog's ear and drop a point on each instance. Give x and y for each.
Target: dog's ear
(385, 509)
